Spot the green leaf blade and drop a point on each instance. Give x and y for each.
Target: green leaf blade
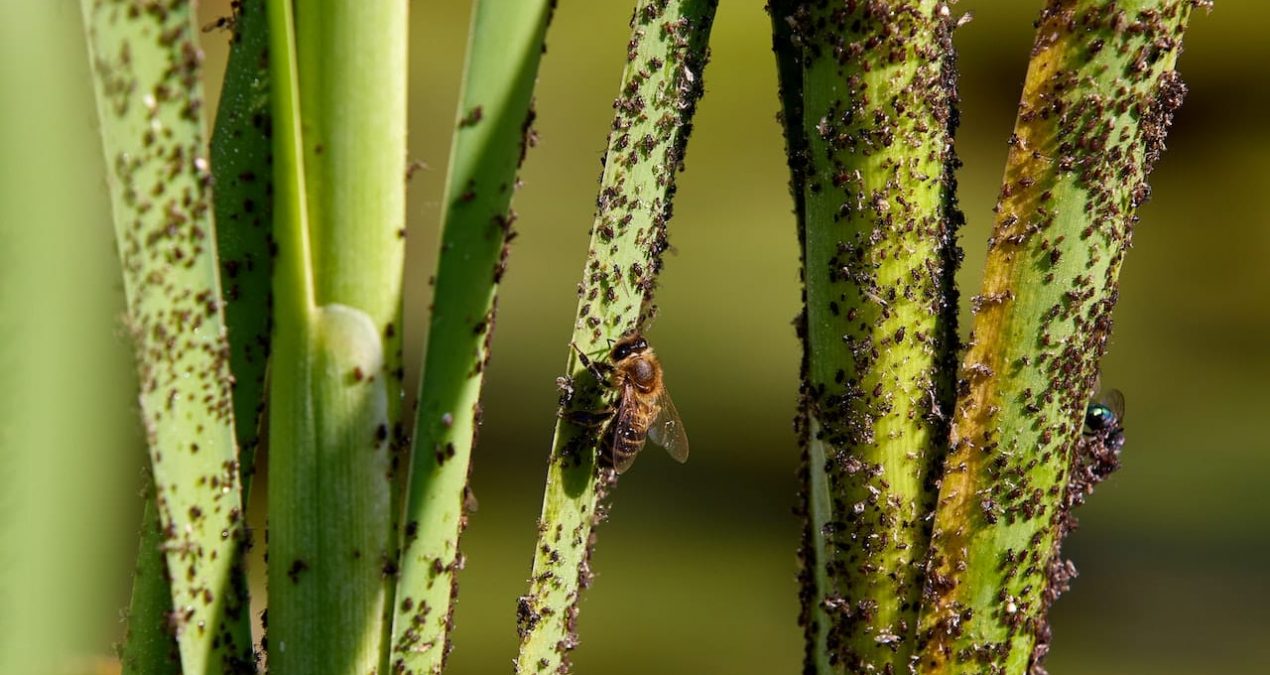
(242, 158)
(661, 84)
(490, 139)
(147, 67)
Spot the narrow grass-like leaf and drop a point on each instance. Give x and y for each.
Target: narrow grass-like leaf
(293, 529)
(789, 73)
(872, 154)
(505, 47)
(661, 84)
(148, 648)
(242, 164)
(1099, 94)
(146, 62)
(338, 74)
(242, 203)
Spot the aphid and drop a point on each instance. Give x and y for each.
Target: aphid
(1104, 417)
(644, 410)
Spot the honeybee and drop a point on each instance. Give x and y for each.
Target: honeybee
(644, 410)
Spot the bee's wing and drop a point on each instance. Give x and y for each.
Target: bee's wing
(667, 429)
(1113, 399)
(627, 416)
(622, 462)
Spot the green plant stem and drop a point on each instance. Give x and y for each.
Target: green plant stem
(661, 84)
(338, 74)
(1099, 94)
(147, 68)
(352, 68)
(871, 153)
(495, 111)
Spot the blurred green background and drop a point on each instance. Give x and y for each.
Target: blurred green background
(695, 570)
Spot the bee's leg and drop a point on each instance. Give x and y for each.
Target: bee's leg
(601, 371)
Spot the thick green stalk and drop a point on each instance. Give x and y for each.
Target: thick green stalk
(661, 84)
(1098, 97)
(875, 169)
(353, 60)
(339, 74)
(352, 69)
(505, 46)
(242, 158)
(147, 60)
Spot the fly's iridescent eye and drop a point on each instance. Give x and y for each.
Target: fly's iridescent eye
(1104, 419)
(1099, 417)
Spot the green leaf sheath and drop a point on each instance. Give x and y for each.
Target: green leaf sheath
(353, 81)
(661, 84)
(870, 141)
(146, 61)
(1098, 97)
(242, 164)
(338, 76)
(495, 111)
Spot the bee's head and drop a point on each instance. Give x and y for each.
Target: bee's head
(628, 346)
